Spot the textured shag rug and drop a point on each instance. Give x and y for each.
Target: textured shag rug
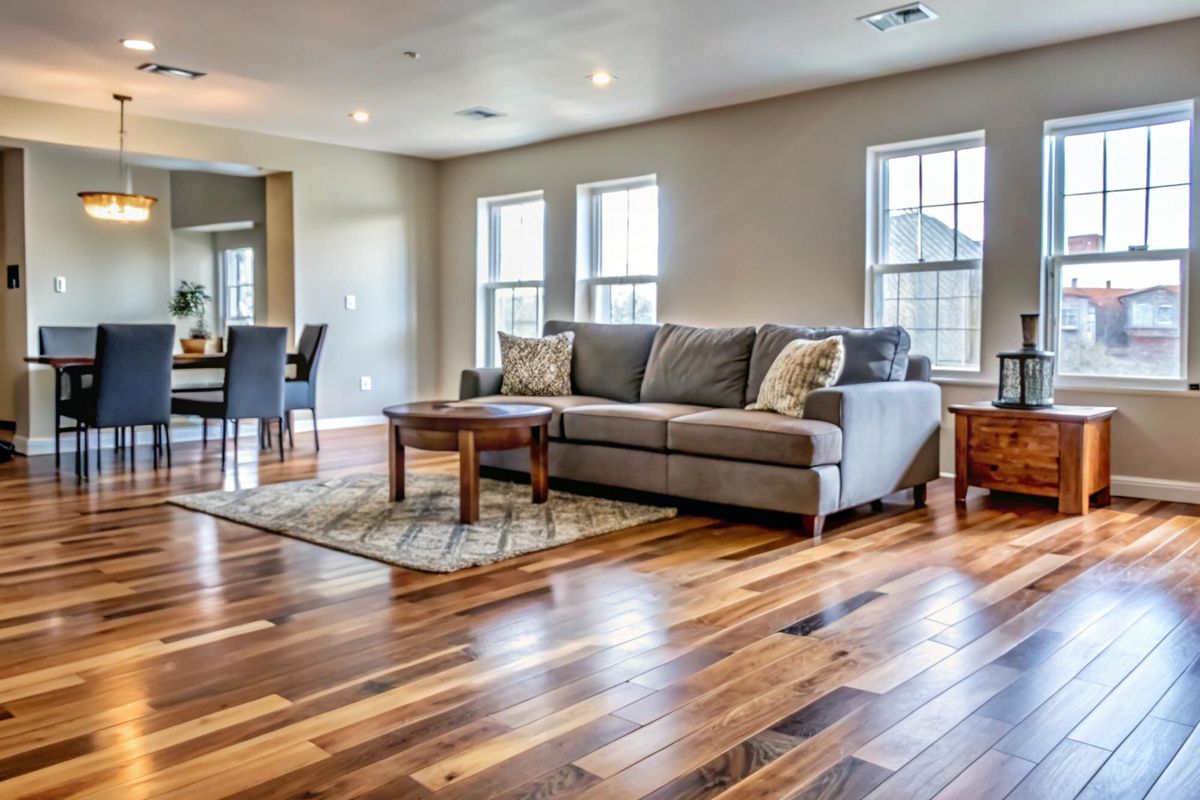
(352, 513)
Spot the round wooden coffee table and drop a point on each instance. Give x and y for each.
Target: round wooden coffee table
(469, 428)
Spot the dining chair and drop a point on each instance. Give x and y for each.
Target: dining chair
(253, 386)
(131, 386)
(66, 341)
(300, 392)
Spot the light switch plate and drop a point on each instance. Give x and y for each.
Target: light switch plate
(60, 285)
(351, 302)
(364, 383)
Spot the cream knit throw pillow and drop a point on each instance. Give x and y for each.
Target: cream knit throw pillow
(802, 366)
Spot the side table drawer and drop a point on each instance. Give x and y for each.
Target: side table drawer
(1011, 454)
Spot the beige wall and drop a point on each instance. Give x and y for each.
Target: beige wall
(364, 225)
(763, 206)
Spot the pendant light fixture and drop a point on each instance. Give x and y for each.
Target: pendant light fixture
(119, 206)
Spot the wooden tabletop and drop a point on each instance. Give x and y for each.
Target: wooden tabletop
(450, 415)
(985, 408)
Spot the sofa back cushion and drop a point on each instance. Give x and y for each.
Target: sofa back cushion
(699, 366)
(872, 354)
(608, 360)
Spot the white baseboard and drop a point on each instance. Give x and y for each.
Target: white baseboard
(187, 432)
(1148, 488)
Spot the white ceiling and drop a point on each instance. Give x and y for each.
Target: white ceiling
(298, 67)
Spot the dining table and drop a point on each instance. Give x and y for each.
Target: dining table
(180, 360)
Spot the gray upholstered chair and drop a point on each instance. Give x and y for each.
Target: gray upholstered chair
(131, 386)
(65, 341)
(253, 387)
(300, 392)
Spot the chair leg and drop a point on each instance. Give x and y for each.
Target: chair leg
(224, 429)
(99, 448)
(281, 440)
(236, 423)
(291, 421)
(87, 452)
(154, 444)
(78, 452)
(132, 447)
(203, 433)
(167, 437)
(316, 435)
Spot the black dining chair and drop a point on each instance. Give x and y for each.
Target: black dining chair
(131, 386)
(253, 387)
(65, 341)
(300, 392)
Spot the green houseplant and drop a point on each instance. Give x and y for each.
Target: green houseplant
(191, 300)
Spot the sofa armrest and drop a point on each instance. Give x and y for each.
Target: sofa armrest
(890, 435)
(480, 382)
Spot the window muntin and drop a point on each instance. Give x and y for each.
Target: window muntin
(622, 269)
(237, 278)
(926, 262)
(513, 271)
(1120, 210)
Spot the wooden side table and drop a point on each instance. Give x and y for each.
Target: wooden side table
(1061, 451)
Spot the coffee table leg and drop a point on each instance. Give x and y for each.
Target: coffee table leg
(539, 453)
(395, 464)
(468, 477)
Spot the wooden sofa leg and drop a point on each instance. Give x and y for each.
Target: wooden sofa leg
(877, 506)
(813, 524)
(920, 492)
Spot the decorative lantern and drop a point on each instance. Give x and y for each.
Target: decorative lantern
(1026, 375)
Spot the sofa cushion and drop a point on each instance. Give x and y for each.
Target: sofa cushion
(802, 368)
(608, 360)
(872, 354)
(699, 366)
(641, 425)
(558, 404)
(762, 436)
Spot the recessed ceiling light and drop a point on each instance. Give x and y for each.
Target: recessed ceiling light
(138, 44)
(360, 116)
(601, 78)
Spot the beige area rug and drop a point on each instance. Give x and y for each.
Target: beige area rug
(352, 513)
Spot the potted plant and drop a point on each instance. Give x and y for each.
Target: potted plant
(191, 300)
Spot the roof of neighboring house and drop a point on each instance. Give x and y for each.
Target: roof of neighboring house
(1099, 296)
(938, 236)
(1159, 288)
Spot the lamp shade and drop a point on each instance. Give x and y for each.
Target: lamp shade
(118, 206)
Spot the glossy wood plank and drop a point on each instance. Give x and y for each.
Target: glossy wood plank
(148, 651)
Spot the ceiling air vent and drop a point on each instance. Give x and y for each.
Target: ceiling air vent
(899, 17)
(173, 72)
(478, 112)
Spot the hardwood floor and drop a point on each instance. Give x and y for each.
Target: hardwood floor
(1004, 650)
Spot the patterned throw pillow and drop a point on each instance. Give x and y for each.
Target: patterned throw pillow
(801, 367)
(536, 367)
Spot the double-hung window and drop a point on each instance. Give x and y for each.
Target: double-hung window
(925, 250)
(237, 278)
(621, 267)
(511, 270)
(1119, 212)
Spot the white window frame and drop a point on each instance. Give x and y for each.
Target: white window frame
(877, 234)
(488, 258)
(590, 239)
(226, 319)
(1055, 257)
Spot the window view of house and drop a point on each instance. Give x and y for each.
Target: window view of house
(928, 265)
(1121, 233)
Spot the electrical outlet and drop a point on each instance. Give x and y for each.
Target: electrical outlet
(351, 302)
(60, 285)
(364, 383)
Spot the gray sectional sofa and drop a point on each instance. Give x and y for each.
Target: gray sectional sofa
(661, 409)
